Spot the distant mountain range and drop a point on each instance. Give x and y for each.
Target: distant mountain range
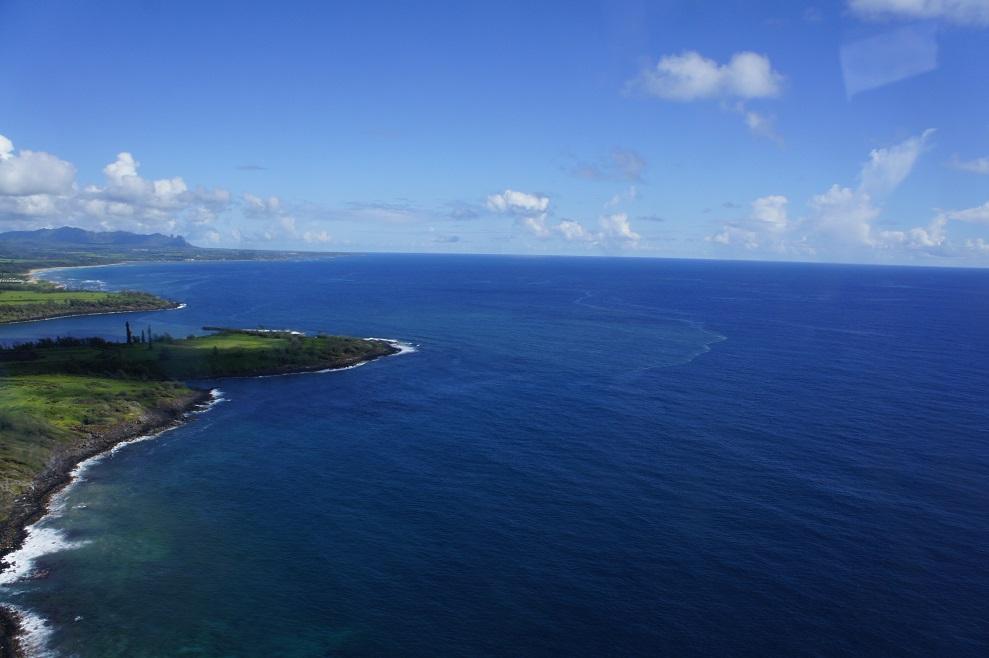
(81, 238)
(21, 251)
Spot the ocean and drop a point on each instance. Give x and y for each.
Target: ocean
(581, 457)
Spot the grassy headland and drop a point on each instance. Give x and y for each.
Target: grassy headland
(23, 302)
(62, 400)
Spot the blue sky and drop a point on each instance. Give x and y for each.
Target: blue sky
(832, 131)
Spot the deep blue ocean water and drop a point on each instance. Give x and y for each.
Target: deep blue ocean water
(584, 457)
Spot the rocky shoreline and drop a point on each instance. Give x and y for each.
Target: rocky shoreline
(32, 506)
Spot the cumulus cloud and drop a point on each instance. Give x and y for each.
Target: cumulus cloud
(27, 173)
(921, 238)
(690, 76)
(258, 207)
(843, 215)
(520, 203)
(767, 220)
(771, 211)
(40, 189)
(128, 200)
(976, 166)
(530, 210)
(732, 235)
(933, 238)
(962, 12)
(616, 228)
(573, 231)
(847, 215)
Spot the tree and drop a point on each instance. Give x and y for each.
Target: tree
(129, 336)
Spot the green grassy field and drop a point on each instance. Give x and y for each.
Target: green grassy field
(49, 297)
(41, 415)
(56, 395)
(24, 302)
(225, 354)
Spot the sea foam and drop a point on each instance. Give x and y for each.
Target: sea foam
(41, 540)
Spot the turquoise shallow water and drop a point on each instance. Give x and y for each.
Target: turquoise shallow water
(583, 456)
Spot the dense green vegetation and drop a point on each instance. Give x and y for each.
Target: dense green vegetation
(58, 395)
(225, 354)
(45, 414)
(20, 302)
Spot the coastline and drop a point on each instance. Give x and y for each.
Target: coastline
(60, 471)
(57, 475)
(35, 276)
(177, 306)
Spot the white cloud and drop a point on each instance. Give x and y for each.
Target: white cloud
(690, 76)
(963, 12)
(615, 231)
(977, 215)
(33, 172)
(888, 167)
(39, 189)
(731, 235)
(842, 215)
(847, 215)
(976, 166)
(257, 207)
(133, 202)
(616, 228)
(6, 148)
(771, 211)
(924, 238)
(514, 202)
(32, 206)
(530, 210)
(535, 225)
(768, 219)
(573, 231)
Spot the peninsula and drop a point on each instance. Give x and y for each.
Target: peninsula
(63, 400)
